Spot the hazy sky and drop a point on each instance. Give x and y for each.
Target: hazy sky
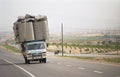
(75, 14)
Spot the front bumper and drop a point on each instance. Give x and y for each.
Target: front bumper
(36, 56)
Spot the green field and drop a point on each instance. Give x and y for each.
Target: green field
(10, 48)
(98, 59)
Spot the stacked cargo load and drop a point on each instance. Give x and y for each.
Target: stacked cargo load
(29, 31)
(31, 28)
(19, 30)
(41, 27)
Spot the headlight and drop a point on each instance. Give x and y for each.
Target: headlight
(29, 54)
(44, 54)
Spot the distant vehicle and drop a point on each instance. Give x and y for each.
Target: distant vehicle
(31, 33)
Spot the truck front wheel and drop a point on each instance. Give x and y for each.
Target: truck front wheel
(27, 61)
(40, 61)
(44, 60)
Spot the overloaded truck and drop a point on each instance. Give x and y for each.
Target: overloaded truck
(31, 33)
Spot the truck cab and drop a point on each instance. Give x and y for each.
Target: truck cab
(34, 51)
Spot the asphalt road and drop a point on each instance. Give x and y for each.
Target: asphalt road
(12, 65)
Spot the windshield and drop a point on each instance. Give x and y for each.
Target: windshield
(36, 46)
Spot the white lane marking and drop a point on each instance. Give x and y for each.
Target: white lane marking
(81, 68)
(20, 68)
(69, 65)
(98, 72)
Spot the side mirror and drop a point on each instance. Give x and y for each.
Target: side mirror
(47, 45)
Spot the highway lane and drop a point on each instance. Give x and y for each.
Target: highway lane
(57, 67)
(8, 70)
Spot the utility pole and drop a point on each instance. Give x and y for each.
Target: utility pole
(62, 37)
(117, 47)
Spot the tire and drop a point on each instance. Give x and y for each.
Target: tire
(40, 61)
(27, 61)
(44, 60)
